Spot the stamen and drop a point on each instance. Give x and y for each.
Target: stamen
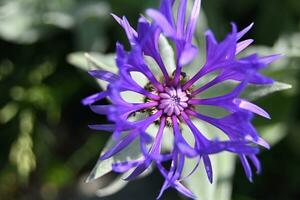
(173, 101)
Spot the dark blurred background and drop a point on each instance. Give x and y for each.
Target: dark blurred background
(46, 148)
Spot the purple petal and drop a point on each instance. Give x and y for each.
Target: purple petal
(208, 168)
(167, 176)
(103, 127)
(256, 163)
(180, 142)
(155, 149)
(130, 32)
(101, 109)
(177, 185)
(166, 9)
(181, 18)
(162, 22)
(148, 37)
(247, 167)
(124, 166)
(104, 75)
(193, 171)
(185, 191)
(138, 171)
(123, 143)
(211, 44)
(95, 97)
(239, 147)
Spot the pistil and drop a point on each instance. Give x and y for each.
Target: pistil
(173, 101)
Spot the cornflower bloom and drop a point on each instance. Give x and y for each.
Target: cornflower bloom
(170, 99)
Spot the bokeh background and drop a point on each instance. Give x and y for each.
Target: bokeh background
(46, 148)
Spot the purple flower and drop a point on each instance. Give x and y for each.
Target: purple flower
(169, 99)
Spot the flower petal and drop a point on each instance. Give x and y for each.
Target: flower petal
(162, 22)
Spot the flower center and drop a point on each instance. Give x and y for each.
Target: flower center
(173, 101)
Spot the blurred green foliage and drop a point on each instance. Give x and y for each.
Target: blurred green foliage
(46, 147)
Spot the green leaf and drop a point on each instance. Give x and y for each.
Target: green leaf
(90, 10)
(118, 184)
(115, 186)
(21, 152)
(198, 182)
(132, 152)
(255, 92)
(284, 70)
(89, 61)
(287, 44)
(78, 60)
(223, 164)
(17, 23)
(93, 60)
(59, 19)
(8, 112)
(167, 54)
(223, 168)
(273, 133)
(252, 92)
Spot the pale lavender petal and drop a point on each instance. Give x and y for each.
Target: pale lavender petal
(192, 23)
(243, 104)
(263, 143)
(164, 95)
(188, 55)
(243, 45)
(244, 31)
(269, 59)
